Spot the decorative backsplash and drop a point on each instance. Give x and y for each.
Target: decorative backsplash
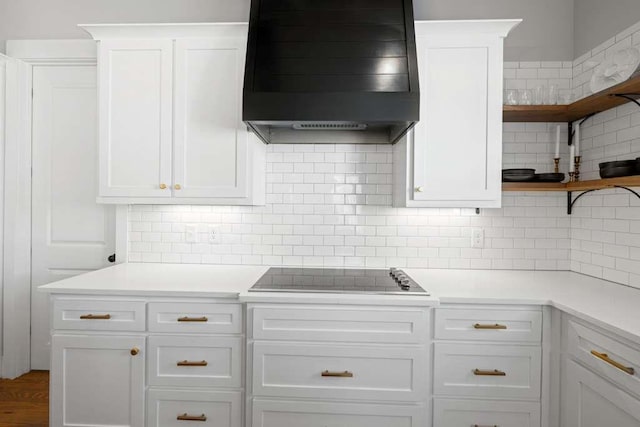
(330, 205)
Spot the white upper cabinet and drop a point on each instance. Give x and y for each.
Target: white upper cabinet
(135, 110)
(171, 129)
(210, 145)
(453, 157)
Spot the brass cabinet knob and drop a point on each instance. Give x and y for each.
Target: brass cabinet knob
(135, 351)
(419, 189)
(177, 187)
(163, 186)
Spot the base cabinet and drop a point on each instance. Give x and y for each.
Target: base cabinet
(272, 413)
(455, 413)
(379, 379)
(97, 380)
(592, 401)
(173, 408)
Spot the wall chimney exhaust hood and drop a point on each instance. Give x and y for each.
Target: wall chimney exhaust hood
(331, 71)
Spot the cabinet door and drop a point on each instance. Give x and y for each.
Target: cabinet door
(211, 142)
(591, 401)
(97, 381)
(457, 145)
(135, 110)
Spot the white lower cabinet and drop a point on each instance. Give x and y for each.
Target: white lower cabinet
(280, 413)
(490, 353)
(195, 361)
(380, 378)
(487, 370)
(173, 408)
(184, 357)
(592, 401)
(485, 413)
(600, 385)
(97, 380)
(388, 373)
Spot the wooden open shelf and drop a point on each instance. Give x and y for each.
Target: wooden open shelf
(595, 184)
(536, 113)
(595, 103)
(533, 186)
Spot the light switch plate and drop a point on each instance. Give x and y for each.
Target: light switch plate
(191, 233)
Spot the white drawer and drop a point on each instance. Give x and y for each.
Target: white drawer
(488, 324)
(195, 361)
(207, 408)
(271, 413)
(340, 324)
(311, 370)
(463, 370)
(205, 318)
(485, 413)
(618, 362)
(98, 315)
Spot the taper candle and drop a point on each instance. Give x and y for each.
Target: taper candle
(577, 140)
(572, 157)
(557, 142)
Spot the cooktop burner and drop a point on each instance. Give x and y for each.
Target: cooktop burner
(338, 280)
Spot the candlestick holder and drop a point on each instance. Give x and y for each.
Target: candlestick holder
(556, 167)
(572, 177)
(577, 160)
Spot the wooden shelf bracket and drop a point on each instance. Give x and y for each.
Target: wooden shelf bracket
(571, 201)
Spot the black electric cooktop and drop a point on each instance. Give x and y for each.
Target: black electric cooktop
(338, 280)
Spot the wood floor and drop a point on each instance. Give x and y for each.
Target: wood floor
(24, 402)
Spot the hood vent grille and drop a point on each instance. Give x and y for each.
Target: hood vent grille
(331, 65)
(329, 126)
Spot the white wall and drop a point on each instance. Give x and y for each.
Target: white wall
(596, 21)
(546, 33)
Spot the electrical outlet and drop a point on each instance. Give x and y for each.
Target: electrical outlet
(191, 233)
(477, 238)
(214, 234)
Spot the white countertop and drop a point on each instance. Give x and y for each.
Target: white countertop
(611, 306)
(180, 280)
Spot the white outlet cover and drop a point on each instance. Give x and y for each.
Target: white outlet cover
(214, 234)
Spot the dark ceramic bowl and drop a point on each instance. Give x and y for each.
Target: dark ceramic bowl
(618, 171)
(549, 177)
(617, 164)
(518, 175)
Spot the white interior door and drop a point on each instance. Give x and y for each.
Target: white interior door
(71, 233)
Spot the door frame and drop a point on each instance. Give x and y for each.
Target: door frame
(16, 256)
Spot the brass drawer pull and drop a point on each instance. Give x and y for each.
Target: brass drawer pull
(495, 326)
(478, 425)
(494, 373)
(186, 417)
(193, 319)
(605, 357)
(345, 374)
(188, 363)
(95, 317)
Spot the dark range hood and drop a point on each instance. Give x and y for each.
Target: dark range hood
(331, 71)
